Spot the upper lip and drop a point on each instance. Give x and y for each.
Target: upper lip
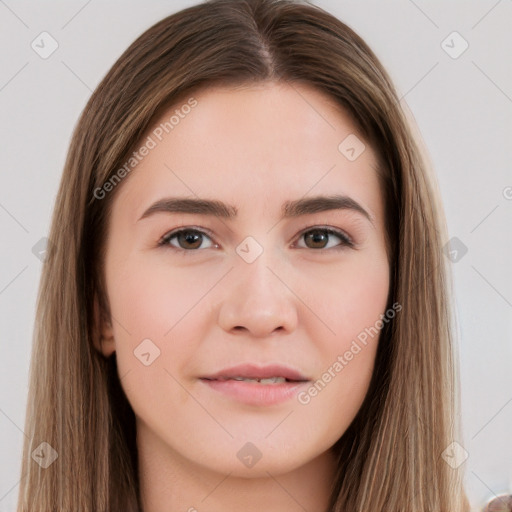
(252, 371)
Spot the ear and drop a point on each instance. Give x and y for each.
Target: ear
(104, 340)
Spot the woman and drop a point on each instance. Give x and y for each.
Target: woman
(261, 369)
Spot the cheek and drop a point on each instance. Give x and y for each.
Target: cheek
(150, 299)
(353, 306)
(333, 400)
(152, 307)
(349, 299)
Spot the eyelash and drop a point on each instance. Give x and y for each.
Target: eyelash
(346, 241)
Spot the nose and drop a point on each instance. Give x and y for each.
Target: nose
(257, 300)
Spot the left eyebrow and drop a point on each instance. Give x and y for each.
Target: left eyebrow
(289, 209)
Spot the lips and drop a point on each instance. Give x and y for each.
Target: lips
(256, 386)
(269, 374)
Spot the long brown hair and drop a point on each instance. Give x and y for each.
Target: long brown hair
(391, 457)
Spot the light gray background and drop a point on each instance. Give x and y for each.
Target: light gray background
(463, 108)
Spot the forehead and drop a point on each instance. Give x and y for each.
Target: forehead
(271, 142)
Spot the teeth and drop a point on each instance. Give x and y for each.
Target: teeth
(270, 380)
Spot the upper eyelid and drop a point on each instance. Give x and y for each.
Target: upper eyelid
(326, 227)
(173, 232)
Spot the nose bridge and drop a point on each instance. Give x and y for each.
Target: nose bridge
(260, 274)
(257, 271)
(257, 299)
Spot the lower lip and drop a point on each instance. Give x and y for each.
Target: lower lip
(252, 393)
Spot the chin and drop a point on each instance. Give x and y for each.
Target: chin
(261, 469)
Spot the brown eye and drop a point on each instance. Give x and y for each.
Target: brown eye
(187, 239)
(319, 238)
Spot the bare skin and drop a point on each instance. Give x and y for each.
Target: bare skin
(300, 303)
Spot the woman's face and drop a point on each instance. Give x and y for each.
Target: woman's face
(255, 291)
